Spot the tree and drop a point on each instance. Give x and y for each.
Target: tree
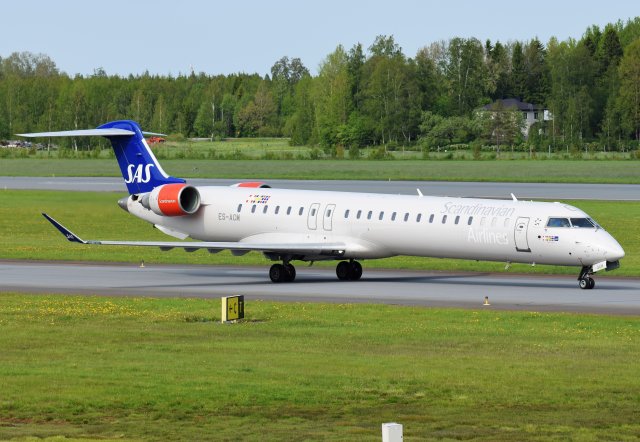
(500, 124)
(536, 75)
(629, 94)
(332, 96)
(466, 74)
(258, 116)
(499, 71)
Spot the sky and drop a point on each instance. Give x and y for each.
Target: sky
(173, 37)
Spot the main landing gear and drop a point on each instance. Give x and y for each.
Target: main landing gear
(282, 272)
(345, 270)
(585, 281)
(349, 270)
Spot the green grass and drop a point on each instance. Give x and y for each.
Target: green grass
(613, 171)
(162, 369)
(25, 234)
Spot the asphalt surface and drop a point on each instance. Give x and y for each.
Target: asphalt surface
(620, 192)
(435, 289)
(505, 291)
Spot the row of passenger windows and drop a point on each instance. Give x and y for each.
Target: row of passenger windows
(381, 215)
(265, 209)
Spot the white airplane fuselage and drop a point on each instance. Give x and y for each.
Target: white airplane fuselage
(290, 225)
(380, 225)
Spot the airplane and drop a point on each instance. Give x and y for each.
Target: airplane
(300, 225)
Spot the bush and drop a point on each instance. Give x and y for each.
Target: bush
(354, 152)
(315, 153)
(380, 154)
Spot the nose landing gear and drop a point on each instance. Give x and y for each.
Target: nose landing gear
(585, 281)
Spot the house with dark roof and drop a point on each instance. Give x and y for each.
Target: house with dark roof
(531, 113)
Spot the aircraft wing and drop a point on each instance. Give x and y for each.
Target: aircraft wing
(237, 248)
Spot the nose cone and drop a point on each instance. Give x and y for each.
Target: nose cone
(614, 251)
(122, 202)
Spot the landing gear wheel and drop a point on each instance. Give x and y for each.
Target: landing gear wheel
(343, 269)
(282, 273)
(356, 271)
(587, 283)
(290, 271)
(277, 273)
(349, 270)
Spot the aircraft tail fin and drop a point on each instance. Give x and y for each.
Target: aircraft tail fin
(140, 169)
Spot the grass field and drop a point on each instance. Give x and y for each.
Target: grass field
(25, 234)
(162, 369)
(610, 171)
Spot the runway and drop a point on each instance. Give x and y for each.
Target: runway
(424, 288)
(611, 192)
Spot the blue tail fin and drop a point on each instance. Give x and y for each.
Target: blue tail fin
(139, 166)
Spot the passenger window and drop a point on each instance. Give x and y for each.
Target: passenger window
(265, 209)
(558, 222)
(406, 217)
(329, 213)
(470, 221)
(358, 214)
(313, 212)
(381, 216)
(253, 209)
(346, 213)
(444, 219)
(277, 210)
(419, 217)
(431, 218)
(301, 211)
(457, 219)
(289, 210)
(393, 216)
(369, 214)
(239, 207)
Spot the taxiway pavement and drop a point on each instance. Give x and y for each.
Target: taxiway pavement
(435, 289)
(617, 192)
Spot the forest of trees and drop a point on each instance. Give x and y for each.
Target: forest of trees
(361, 96)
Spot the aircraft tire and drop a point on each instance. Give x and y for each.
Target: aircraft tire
(277, 273)
(586, 283)
(290, 272)
(343, 271)
(356, 271)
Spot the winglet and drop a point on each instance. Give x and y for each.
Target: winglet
(514, 197)
(66, 232)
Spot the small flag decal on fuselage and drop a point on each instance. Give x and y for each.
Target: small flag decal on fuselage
(550, 238)
(258, 199)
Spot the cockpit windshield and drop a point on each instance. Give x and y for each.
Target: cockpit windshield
(583, 223)
(558, 222)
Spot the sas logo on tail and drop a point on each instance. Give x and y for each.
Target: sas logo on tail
(142, 173)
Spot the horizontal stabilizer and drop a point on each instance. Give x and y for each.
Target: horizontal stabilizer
(112, 132)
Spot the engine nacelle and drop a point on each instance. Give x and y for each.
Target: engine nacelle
(252, 184)
(172, 200)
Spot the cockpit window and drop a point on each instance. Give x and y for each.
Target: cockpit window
(558, 222)
(582, 222)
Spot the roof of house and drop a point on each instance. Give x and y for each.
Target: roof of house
(510, 103)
